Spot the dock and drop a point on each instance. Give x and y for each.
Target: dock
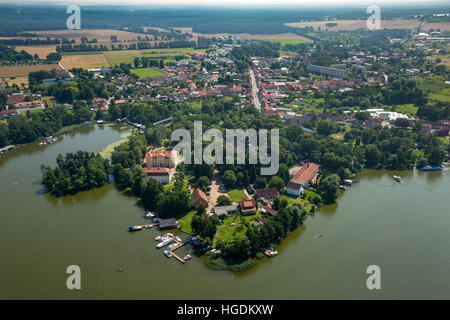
(180, 244)
(177, 257)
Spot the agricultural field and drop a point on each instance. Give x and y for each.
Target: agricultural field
(41, 51)
(445, 59)
(102, 35)
(247, 36)
(147, 72)
(350, 25)
(127, 56)
(286, 41)
(86, 61)
(23, 71)
(442, 26)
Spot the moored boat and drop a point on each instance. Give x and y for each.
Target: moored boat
(187, 257)
(148, 215)
(430, 168)
(397, 178)
(163, 243)
(168, 253)
(134, 228)
(343, 187)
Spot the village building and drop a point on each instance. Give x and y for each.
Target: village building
(163, 175)
(294, 189)
(263, 194)
(199, 198)
(8, 113)
(247, 207)
(225, 210)
(165, 224)
(160, 158)
(306, 174)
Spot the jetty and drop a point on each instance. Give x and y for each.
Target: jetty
(180, 244)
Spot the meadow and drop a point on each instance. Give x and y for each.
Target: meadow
(147, 72)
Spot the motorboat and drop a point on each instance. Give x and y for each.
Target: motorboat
(163, 243)
(343, 187)
(187, 257)
(397, 178)
(168, 253)
(148, 215)
(134, 228)
(430, 168)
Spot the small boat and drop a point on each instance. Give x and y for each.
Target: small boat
(169, 234)
(155, 220)
(187, 257)
(159, 238)
(430, 168)
(343, 187)
(178, 239)
(172, 246)
(148, 215)
(41, 143)
(348, 181)
(397, 178)
(148, 226)
(163, 243)
(134, 228)
(319, 235)
(168, 253)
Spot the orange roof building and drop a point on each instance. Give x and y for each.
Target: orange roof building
(199, 198)
(306, 174)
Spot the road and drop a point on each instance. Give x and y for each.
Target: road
(255, 90)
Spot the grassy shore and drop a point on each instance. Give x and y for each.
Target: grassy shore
(221, 263)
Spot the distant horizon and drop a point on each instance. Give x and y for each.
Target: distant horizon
(231, 3)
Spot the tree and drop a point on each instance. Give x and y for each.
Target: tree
(276, 182)
(224, 201)
(260, 183)
(229, 179)
(325, 127)
(151, 193)
(329, 187)
(283, 171)
(203, 181)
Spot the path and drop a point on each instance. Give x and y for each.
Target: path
(255, 90)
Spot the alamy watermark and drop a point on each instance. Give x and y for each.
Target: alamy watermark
(237, 141)
(374, 280)
(374, 21)
(73, 22)
(74, 280)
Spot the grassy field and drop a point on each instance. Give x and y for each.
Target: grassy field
(127, 56)
(286, 41)
(226, 232)
(89, 61)
(436, 88)
(147, 72)
(185, 222)
(237, 195)
(408, 109)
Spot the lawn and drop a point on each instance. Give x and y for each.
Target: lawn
(436, 88)
(147, 72)
(185, 222)
(127, 56)
(226, 232)
(237, 195)
(408, 109)
(286, 41)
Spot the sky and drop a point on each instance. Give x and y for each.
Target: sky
(235, 2)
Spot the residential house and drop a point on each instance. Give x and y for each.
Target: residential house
(199, 198)
(29, 104)
(294, 189)
(8, 113)
(165, 224)
(248, 207)
(263, 194)
(225, 210)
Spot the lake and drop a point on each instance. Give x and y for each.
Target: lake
(401, 227)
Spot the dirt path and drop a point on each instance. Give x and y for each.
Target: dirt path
(214, 192)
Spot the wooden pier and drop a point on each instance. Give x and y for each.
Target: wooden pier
(180, 244)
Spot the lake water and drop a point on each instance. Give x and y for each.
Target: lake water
(403, 228)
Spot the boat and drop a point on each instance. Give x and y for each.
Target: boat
(430, 168)
(148, 226)
(397, 178)
(319, 235)
(348, 181)
(163, 243)
(343, 187)
(169, 234)
(187, 257)
(172, 246)
(168, 253)
(148, 215)
(159, 238)
(156, 220)
(134, 228)
(178, 239)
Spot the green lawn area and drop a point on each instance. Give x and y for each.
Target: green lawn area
(147, 72)
(435, 87)
(237, 195)
(226, 232)
(127, 56)
(285, 41)
(185, 222)
(408, 109)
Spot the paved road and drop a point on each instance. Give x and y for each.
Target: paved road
(255, 90)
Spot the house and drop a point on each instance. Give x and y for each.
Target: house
(225, 210)
(268, 209)
(8, 113)
(270, 193)
(29, 104)
(160, 158)
(168, 224)
(163, 175)
(199, 198)
(15, 98)
(306, 173)
(294, 189)
(248, 207)
(2, 83)
(100, 103)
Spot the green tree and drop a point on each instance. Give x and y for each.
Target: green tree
(329, 187)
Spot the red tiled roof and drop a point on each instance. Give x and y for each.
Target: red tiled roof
(159, 153)
(269, 193)
(247, 205)
(293, 185)
(8, 112)
(306, 173)
(152, 172)
(199, 197)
